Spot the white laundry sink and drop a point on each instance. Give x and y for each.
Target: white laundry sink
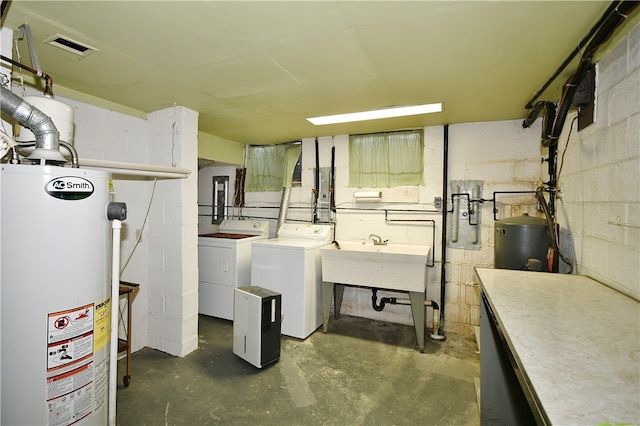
(391, 266)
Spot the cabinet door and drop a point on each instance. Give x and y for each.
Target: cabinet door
(216, 265)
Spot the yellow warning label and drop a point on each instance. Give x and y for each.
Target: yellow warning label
(102, 325)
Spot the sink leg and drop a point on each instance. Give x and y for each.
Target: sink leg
(418, 311)
(338, 302)
(327, 295)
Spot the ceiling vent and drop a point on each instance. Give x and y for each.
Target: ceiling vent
(70, 45)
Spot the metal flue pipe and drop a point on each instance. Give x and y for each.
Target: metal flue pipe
(42, 126)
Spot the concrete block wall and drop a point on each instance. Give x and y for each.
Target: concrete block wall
(598, 212)
(502, 154)
(164, 263)
(108, 135)
(506, 157)
(600, 206)
(173, 235)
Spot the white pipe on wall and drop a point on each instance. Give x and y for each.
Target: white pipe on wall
(371, 195)
(136, 169)
(115, 298)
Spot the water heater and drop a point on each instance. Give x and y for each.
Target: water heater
(519, 241)
(55, 295)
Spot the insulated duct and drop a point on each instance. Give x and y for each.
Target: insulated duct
(290, 159)
(284, 208)
(42, 126)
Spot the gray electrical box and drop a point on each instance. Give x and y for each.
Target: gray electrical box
(220, 198)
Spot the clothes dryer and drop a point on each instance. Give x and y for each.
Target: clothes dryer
(224, 263)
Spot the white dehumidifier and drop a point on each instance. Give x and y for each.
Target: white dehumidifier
(256, 325)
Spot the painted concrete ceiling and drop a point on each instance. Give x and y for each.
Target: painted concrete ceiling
(255, 70)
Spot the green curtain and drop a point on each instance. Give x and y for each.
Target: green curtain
(383, 160)
(270, 167)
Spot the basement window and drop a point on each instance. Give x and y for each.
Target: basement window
(269, 167)
(384, 160)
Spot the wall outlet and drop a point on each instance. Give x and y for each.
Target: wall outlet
(437, 203)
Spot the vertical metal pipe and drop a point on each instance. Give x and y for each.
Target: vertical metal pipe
(475, 230)
(332, 193)
(455, 216)
(316, 187)
(445, 183)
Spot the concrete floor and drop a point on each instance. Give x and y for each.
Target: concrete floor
(361, 372)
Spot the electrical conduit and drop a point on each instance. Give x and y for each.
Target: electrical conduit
(445, 182)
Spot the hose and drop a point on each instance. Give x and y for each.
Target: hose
(551, 229)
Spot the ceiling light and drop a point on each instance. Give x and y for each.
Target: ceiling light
(376, 114)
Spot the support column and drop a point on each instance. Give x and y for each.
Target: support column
(418, 312)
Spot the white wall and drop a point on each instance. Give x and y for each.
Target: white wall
(164, 263)
(107, 135)
(600, 210)
(173, 235)
(502, 154)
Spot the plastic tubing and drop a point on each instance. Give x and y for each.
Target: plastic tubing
(115, 298)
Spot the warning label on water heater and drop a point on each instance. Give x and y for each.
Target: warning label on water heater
(69, 188)
(70, 365)
(69, 337)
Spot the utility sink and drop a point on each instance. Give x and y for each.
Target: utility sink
(392, 266)
(396, 267)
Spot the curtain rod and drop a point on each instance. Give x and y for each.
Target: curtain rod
(418, 129)
(282, 143)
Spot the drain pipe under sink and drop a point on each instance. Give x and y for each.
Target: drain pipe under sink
(398, 301)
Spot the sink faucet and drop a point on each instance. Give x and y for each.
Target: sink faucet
(377, 240)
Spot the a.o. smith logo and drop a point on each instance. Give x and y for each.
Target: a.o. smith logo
(69, 188)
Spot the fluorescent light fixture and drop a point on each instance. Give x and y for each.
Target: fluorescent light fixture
(376, 114)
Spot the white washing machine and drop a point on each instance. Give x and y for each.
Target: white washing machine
(224, 263)
(291, 265)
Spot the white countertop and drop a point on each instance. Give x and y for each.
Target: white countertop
(575, 340)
